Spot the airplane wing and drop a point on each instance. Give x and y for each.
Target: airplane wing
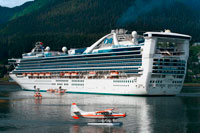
(105, 111)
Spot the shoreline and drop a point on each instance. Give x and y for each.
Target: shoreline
(185, 84)
(8, 83)
(192, 84)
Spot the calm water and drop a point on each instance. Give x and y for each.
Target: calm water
(20, 112)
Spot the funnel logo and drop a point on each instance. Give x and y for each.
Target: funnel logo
(108, 41)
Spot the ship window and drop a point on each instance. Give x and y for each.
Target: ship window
(168, 47)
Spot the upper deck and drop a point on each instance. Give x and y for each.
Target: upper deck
(116, 41)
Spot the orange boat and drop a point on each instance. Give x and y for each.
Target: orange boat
(38, 95)
(62, 74)
(114, 73)
(41, 74)
(74, 74)
(35, 74)
(92, 73)
(60, 91)
(67, 74)
(51, 90)
(48, 74)
(29, 74)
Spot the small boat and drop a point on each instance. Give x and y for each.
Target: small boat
(58, 91)
(114, 73)
(62, 74)
(67, 74)
(48, 74)
(51, 90)
(41, 74)
(38, 95)
(74, 74)
(29, 74)
(92, 73)
(35, 74)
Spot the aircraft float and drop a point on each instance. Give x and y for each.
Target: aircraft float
(106, 116)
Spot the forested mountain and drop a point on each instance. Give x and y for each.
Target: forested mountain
(79, 23)
(7, 14)
(73, 23)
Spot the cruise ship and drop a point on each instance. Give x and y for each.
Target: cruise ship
(120, 63)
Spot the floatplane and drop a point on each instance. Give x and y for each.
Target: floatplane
(105, 117)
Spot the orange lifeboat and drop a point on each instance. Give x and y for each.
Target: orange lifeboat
(29, 74)
(62, 74)
(114, 73)
(35, 74)
(67, 74)
(38, 95)
(92, 74)
(24, 74)
(41, 74)
(74, 74)
(48, 74)
(48, 90)
(60, 91)
(51, 90)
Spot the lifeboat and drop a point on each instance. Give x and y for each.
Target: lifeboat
(48, 90)
(29, 74)
(35, 74)
(114, 73)
(62, 74)
(67, 74)
(92, 74)
(62, 91)
(24, 74)
(51, 90)
(38, 95)
(48, 74)
(74, 74)
(41, 74)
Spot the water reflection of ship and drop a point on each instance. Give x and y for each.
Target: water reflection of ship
(142, 111)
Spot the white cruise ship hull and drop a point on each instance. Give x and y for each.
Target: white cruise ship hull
(98, 86)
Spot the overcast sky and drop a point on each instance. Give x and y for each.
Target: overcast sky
(12, 3)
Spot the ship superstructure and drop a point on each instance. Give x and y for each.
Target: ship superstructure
(118, 63)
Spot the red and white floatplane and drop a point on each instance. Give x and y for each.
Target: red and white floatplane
(105, 116)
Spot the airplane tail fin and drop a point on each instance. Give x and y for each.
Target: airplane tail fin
(75, 111)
